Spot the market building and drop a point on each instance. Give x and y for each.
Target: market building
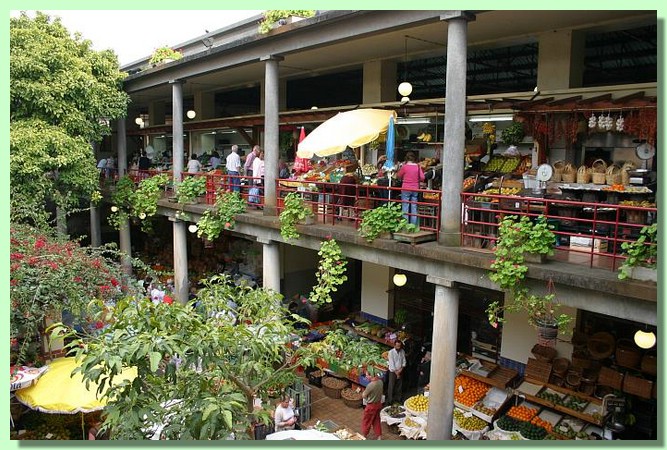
(582, 83)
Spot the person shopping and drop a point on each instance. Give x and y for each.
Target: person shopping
(373, 396)
(233, 166)
(396, 363)
(285, 417)
(411, 174)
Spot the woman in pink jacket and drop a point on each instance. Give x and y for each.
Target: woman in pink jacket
(411, 175)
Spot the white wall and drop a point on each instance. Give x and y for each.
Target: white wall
(374, 285)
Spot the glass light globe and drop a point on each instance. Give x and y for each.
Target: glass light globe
(191, 114)
(139, 121)
(192, 228)
(405, 89)
(142, 216)
(400, 279)
(405, 99)
(644, 339)
(114, 208)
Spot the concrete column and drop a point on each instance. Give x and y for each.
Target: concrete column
(125, 241)
(560, 62)
(180, 230)
(443, 359)
(379, 82)
(177, 128)
(181, 286)
(455, 116)
(270, 264)
(271, 132)
(95, 227)
(204, 105)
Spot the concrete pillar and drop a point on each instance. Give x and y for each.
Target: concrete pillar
(180, 230)
(560, 62)
(455, 116)
(271, 132)
(270, 264)
(443, 359)
(204, 105)
(125, 241)
(379, 83)
(156, 114)
(181, 286)
(95, 227)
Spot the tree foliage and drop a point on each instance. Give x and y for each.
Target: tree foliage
(199, 365)
(62, 96)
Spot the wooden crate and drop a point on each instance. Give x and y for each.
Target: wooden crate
(538, 370)
(610, 377)
(637, 386)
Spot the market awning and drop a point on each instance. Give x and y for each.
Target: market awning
(60, 392)
(348, 129)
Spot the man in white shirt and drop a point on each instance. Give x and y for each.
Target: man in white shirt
(396, 363)
(233, 166)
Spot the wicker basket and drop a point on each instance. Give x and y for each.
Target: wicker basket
(627, 354)
(598, 178)
(558, 171)
(351, 398)
(333, 386)
(611, 378)
(573, 380)
(599, 166)
(613, 175)
(560, 366)
(543, 353)
(649, 364)
(637, 386)
(568, 177)
(625, 172)
(601, 345)
(583, 175)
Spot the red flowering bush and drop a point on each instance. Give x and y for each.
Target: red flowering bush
(50, 275)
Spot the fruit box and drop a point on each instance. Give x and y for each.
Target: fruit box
(494, 399)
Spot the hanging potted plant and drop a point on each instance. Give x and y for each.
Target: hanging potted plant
(385, 219)
(641, 256)
(330, 272)
(222, 216)
(190, 189)
(295, 210)
(513, 134)
(518, 239)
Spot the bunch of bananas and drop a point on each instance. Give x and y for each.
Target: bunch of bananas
(425, 137)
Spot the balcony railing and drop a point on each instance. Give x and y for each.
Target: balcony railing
(587, 233)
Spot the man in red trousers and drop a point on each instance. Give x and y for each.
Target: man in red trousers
(373, 396)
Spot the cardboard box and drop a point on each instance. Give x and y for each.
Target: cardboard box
(584, 244)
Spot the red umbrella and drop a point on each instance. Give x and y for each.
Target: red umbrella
(301, 165)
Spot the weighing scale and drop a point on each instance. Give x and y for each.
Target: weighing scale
(644, 151)
(544, 174)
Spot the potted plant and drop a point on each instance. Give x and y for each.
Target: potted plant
(222, 217)
(281, 16)
(387, 218)
(513, 134)
(164, 55)
(190, 189)
(144, 200)
(517, 240)
(330, 272)
(641, 255)
(294, 210)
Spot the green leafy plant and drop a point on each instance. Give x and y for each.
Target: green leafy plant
(516, 238)
(223, 215)
(641, 253)
(144, 200)
(513, 134)
(295, 210)
(272, 16)
(400, 316)
(122, 199)
(387, 218)
(330, 272)
(162, 53)
(191, 188)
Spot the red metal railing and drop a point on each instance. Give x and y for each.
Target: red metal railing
(586, 233)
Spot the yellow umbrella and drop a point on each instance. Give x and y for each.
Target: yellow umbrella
(58, 392)
(348, 129)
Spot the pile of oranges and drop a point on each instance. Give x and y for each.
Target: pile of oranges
(522, 412)
(468, 391)
(542, 423)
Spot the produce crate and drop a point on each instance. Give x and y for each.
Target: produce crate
(261, 431)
